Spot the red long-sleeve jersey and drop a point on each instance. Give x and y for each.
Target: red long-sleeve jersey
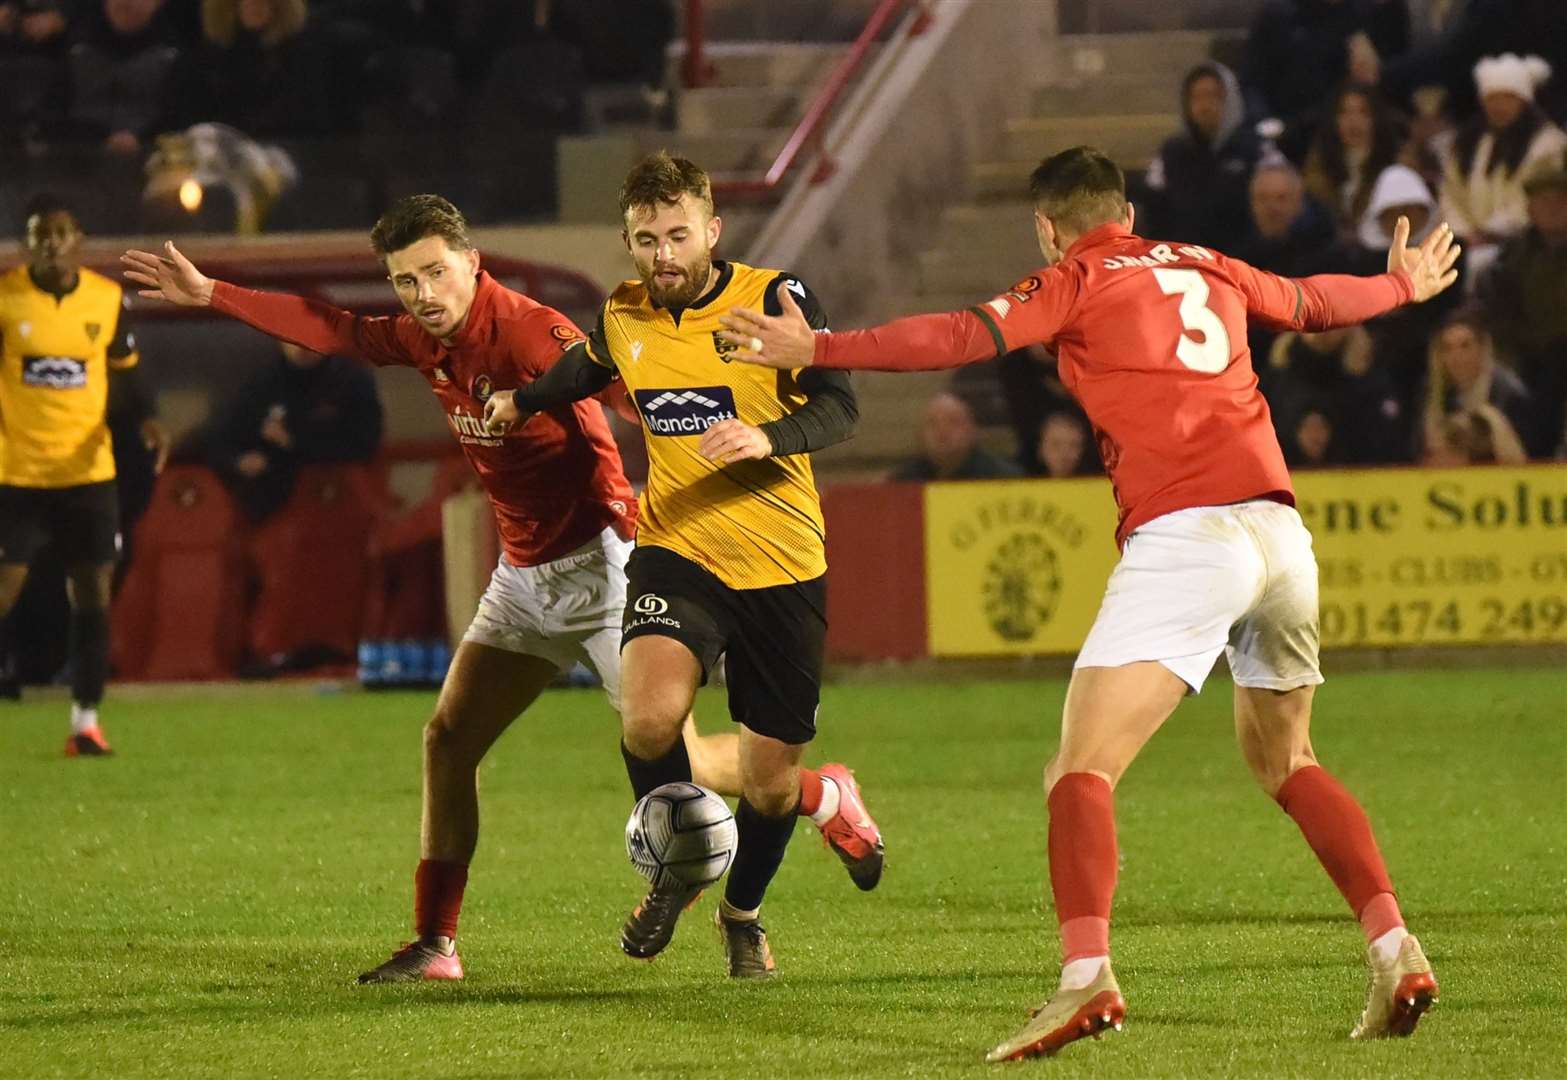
(554, 484)
(1151, 340)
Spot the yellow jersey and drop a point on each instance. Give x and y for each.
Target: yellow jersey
(753, 524)
(56, 353)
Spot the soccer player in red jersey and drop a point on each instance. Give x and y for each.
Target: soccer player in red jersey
(1151, 339)
(565, 512)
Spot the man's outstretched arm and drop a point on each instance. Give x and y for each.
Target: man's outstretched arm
(308, 323)
(915, 343)
(1328, 301)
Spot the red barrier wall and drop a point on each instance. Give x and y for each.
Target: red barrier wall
(876, 571)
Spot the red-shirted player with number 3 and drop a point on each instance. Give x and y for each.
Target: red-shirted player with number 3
(1151, 338)
(562, 505)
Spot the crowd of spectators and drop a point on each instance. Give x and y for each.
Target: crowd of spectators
(1344, 115)
(118, 72)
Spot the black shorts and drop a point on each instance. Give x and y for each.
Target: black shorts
(81, 523)
(771, 639)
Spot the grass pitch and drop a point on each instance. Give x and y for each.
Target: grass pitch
(200, 905)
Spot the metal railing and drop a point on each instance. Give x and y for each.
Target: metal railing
(808, 132)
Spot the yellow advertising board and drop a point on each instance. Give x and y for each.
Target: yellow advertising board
(1439, 557)
(1015, 566)
(1406, 557)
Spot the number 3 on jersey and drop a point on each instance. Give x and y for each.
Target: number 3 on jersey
(1212, 353)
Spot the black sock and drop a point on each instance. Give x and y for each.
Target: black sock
(89, 655)
(647, 775)
(758, 855)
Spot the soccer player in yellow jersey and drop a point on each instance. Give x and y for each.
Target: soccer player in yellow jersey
(729, 559)
(66, 360)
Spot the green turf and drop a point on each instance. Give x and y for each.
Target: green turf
(199, 905)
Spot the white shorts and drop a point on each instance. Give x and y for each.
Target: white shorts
(1241, 579)
(562, 611)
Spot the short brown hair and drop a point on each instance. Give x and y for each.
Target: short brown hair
(664, 178)
(1079, 189)
(415, 217)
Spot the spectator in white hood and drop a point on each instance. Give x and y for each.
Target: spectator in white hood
(1399, 191)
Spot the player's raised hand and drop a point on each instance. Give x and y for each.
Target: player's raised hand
(169, 276)
(501, 413)
(1429, 266)
(776, 341)
(734, 440)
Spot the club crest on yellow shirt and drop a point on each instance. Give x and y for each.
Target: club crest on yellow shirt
(724, 348)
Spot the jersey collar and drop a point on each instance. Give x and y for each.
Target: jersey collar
(726, 273)
(478, 314)
(1099, 234)
(58, 296)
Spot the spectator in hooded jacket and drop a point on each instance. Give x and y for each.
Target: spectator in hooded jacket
(1401, 335)
(1197, 183)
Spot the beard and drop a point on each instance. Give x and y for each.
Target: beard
(687, 289)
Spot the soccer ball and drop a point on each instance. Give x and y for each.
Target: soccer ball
(681, 834)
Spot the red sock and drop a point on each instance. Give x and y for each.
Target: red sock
(438, 888)
(810, 792)
(1082, 863)
(1340, 833)
(1380, 915)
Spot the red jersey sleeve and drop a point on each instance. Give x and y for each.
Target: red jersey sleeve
(1321, 302)
(1033, 310)
(314, 325)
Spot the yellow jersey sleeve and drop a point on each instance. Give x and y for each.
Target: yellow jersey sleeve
(598, 348)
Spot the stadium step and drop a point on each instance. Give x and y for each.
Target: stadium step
(926, 301)
(717, 109)
(736, 150)
(793, 20)
(1000, 226)
(760, 63)
(1140, 15)
(1108, 95)
(978, 270)
(742, 221)
(891, 405)
(1130, 139)
(1095, 55)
